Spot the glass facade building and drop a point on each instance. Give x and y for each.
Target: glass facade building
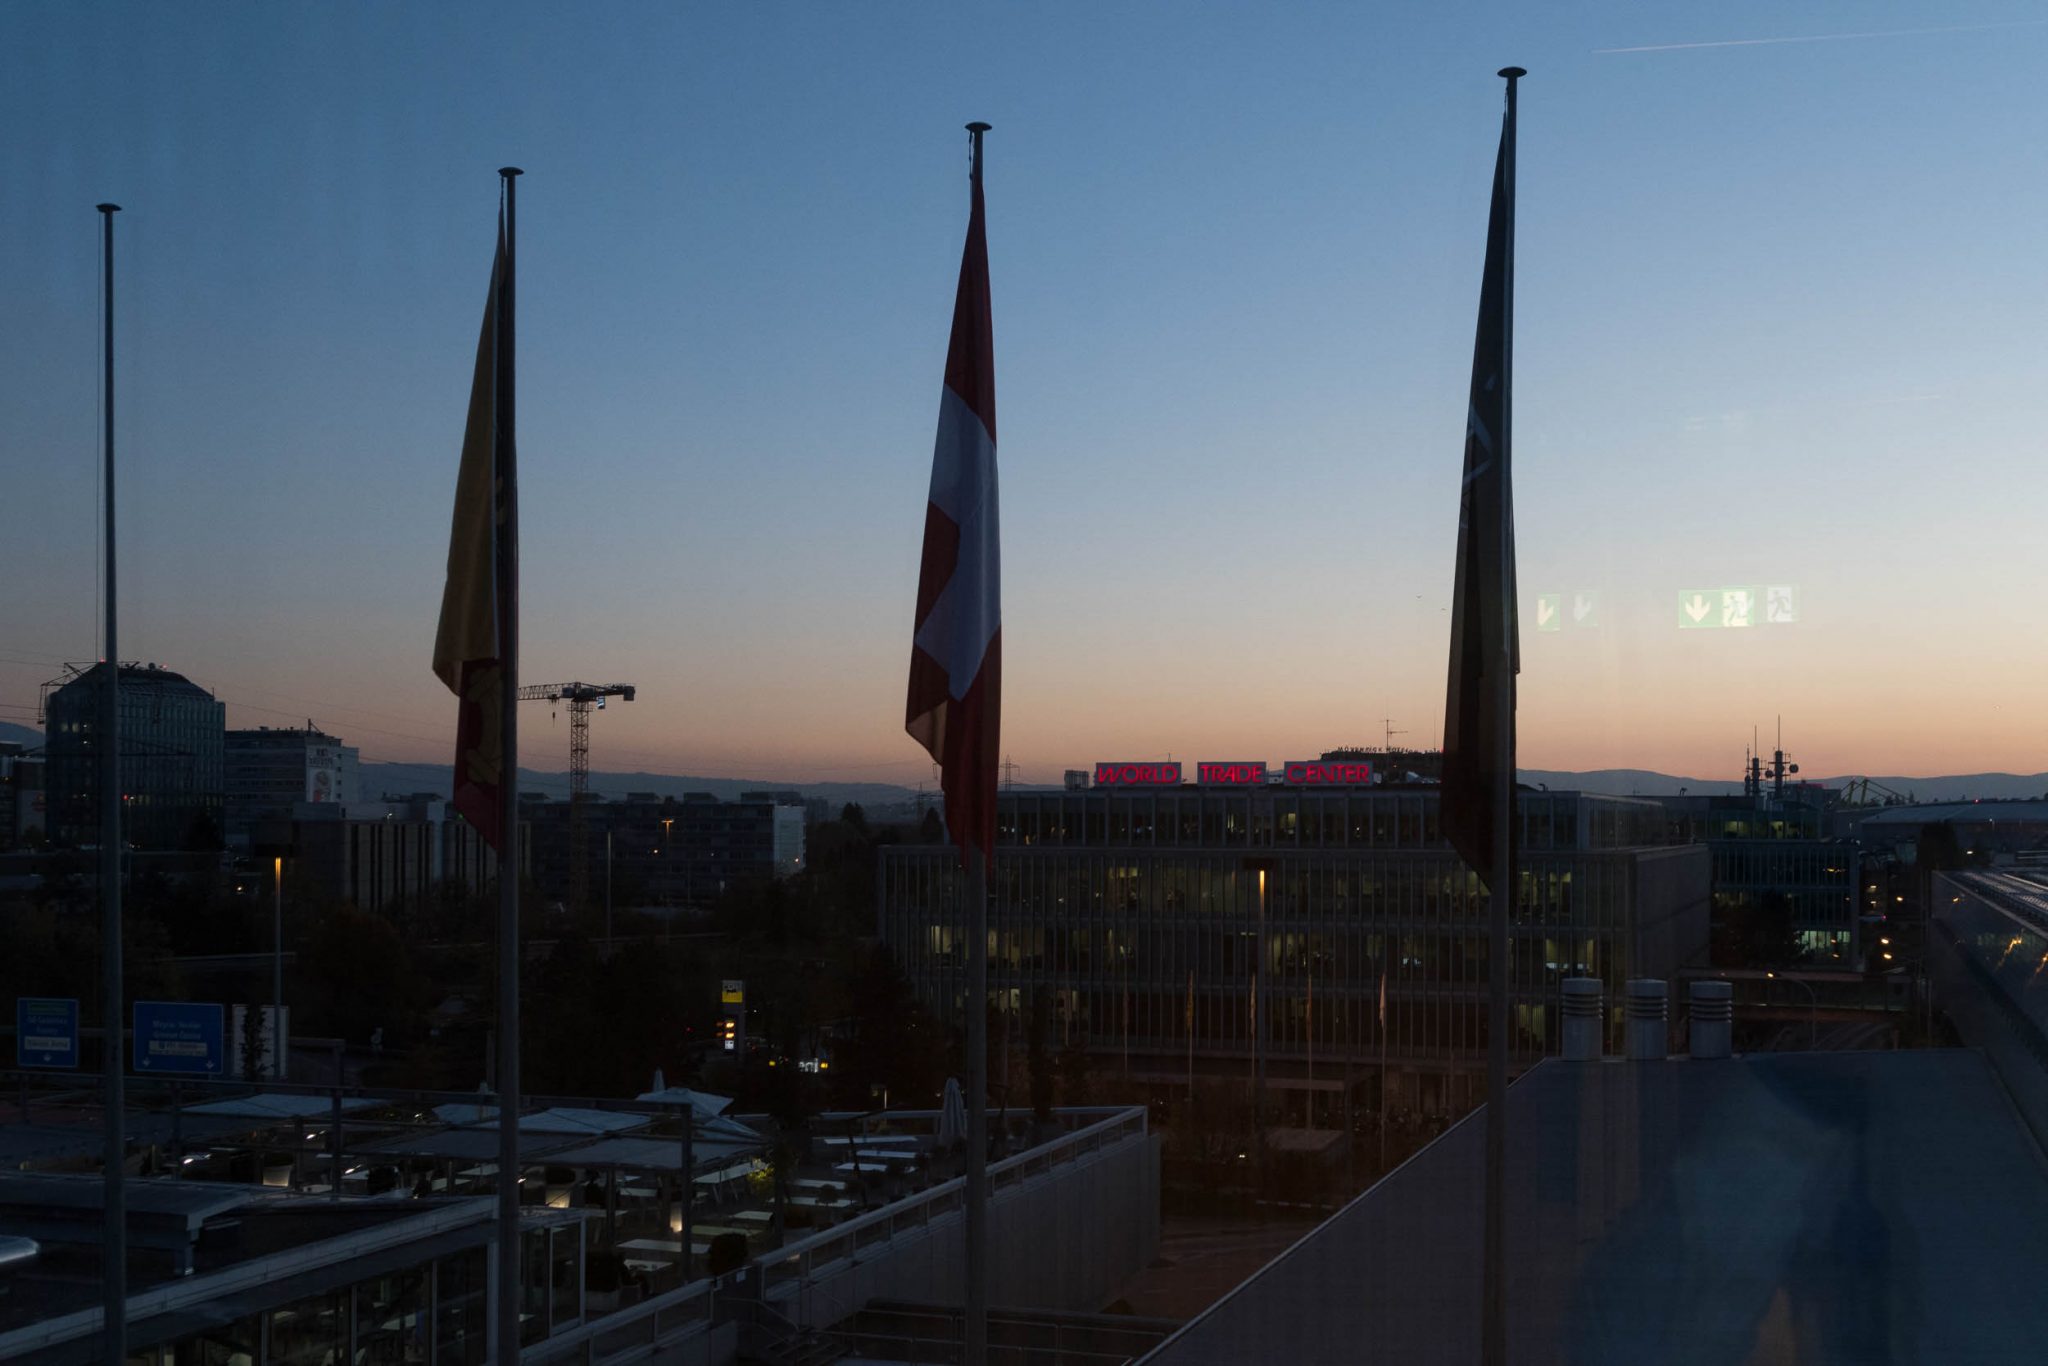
(1196, 930)
(173, 768)
(1815, 879)
(1773, 856)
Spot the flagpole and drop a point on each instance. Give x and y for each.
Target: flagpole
(974, 1335)
(505, 454)
(114, 1237)
(1501, 895)
(975, 1328)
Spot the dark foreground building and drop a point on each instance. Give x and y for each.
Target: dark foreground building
(1827, 1208)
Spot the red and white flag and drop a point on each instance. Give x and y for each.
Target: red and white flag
(956, 656)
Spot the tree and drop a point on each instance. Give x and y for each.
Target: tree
(1756, 932)
(727, 1252)
(355, 973)
(890, 1039)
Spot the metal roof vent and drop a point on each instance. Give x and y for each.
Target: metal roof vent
(1583, 1012)
(1712, 1006)
(1644, 1013)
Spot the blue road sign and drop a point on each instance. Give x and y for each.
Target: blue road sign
(178, 1036)
(46, 1031)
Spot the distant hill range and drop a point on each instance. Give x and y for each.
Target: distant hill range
(1641, 782)
(380, 778)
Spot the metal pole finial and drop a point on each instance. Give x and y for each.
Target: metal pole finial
(1512, 72)
(108, 208)
(509, 171)
(974, 132)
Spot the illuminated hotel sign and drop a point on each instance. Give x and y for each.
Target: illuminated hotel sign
(1138, 775)
(1329, 773)
(1241, 773)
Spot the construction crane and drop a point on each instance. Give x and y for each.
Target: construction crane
(1857, 792)
(580, 697)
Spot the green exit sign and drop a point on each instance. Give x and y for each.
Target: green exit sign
(1737, 608)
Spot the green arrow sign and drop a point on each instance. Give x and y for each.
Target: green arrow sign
(1699, 608)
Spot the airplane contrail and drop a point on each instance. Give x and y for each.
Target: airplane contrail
(1824, 37)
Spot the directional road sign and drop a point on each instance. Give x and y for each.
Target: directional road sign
(178, 1036)
(1549, 612)
(46, 1031)
(1585, 608)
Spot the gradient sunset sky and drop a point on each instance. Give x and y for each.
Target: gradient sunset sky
(1779, 321)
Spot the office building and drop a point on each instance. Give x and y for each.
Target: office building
(172, 765)
(23, 815)
(1784, 889)
(1240, 926)
(394, 858)
(658, 851)
(271, 770)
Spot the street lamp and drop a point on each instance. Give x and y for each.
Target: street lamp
(1813, 1010)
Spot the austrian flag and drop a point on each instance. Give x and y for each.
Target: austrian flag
(956, 655)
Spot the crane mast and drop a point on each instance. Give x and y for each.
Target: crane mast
(580, 697)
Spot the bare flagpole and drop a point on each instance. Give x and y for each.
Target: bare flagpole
(114, 1238)
(1501, 895)
(507, 570)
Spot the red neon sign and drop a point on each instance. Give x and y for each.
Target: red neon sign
(1329, 773)
(1232, 775)
(1138, 775)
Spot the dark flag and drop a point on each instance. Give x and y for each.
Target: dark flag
(468, 653)
(1479, 709)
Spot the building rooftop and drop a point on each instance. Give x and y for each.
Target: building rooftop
(1913, 817)
(132, 675)
(1816, 1207)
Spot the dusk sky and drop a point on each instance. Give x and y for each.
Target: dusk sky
(1779, 322)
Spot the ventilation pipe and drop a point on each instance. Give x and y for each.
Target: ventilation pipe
(1713, 1019)
(1584, 1018)
(1644, 1013)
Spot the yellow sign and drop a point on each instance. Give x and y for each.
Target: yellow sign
(733, 994)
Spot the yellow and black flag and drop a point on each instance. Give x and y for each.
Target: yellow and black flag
(1479, 709)
(476, 604)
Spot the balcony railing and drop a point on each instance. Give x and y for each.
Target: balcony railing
(634, 1333)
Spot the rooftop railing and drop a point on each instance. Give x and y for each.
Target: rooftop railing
(632, 1334)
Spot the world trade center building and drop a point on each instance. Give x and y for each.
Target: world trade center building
(1291, 922)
